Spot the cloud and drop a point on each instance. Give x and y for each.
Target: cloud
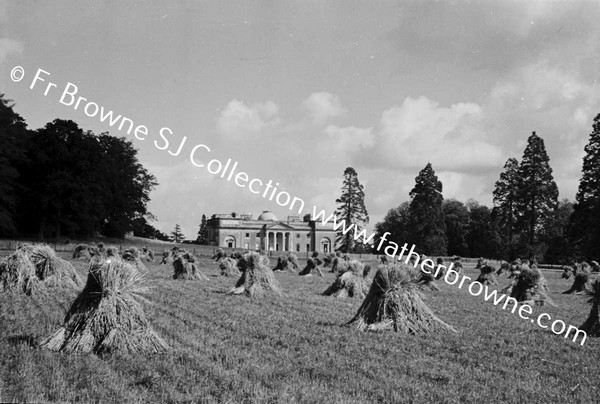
(420, 131)
(323, 105)
(238, 119)
(350, 139)
(8, 46)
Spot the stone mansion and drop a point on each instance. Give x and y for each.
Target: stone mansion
(268, 233)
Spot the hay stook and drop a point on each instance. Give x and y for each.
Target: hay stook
(528, 287)
(581, 283)
(394, 302)
(352, 281)
(592, 324)
(107, 316)
(228, 267)
(184, 267)
(257, 278)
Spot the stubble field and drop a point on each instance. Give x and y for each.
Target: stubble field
(294, 348)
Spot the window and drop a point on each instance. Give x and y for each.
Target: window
(308, 247)
(308, 235)
(298, 247)
(298, 235)
(257, 234)
(247, 234)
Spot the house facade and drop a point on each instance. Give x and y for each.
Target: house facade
(268, 233)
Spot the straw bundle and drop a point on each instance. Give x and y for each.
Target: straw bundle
(458, 267)
(219, 254)
(229, 267)
(486, 273)
(311, 263)
(427, 280)
(287, 262)
(53, 270)
(328, 259)
(504, 267)
(595, 266)
(592, 324)
(582, 279)
(568, 271)
(339, 258)
(257, 278)
(528, 287)
(18, 274)
(132, 255)
(184, 266)
(515, 268)
(351, 281)
(112, 252)
(394, 302)
(146, 255)
(81, 252)
(107, 316)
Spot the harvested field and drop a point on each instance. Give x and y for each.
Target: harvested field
(293, 348)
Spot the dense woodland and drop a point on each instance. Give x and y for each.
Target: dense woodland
(59, 181)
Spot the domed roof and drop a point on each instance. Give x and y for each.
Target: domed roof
(267, 215)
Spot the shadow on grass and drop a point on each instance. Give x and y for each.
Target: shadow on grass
(28, 340)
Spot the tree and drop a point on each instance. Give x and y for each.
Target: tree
(395, 222)
(482, 236)
(127, 192)
(427, 226)
(560, 250)
(141, 228)
(13, 131)
(176, 235)
(456, 218)
(203, 232)
(584, 227)
(351, 208)
(505, 205)
(537, 197)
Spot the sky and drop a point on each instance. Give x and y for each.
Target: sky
(296, 91)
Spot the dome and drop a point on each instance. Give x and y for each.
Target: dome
(267, 215)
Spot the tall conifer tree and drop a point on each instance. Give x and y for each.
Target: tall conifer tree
(203, 232)
(584, 230)
(427, 226)
(505, 205)
(351, 208)
(537, 196)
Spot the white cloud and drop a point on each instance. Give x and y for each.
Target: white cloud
(8, 46)
(238, 119)
(420, 131)
(323, 105)
(351, 138)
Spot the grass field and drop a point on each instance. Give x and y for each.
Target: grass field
(294, 349)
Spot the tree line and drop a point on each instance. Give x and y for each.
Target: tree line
(60, 181)
(526, 220)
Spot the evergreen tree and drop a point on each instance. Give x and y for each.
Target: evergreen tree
(13, 131)
(537, 197)
(504, 212)
(203, 232)
(584, 231)
(456, 217)
(427, 226)
(176, 235)
(351, 208)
